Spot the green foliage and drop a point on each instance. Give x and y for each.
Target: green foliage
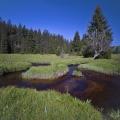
(105, 55)
(58, 51)
(76, 42)
(116, 50)
(88, 52)
(19, 39)
(29, 104)
(99, 22)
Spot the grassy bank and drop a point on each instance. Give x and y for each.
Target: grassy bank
(6, 67)
(77, 73)
(16, 62)
(28, 104)
(103, 66)
(46, 72)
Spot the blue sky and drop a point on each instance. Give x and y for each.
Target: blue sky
(63, 17)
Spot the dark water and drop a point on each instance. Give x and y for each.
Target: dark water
(102, 90)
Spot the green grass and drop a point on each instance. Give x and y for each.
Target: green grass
(77, 73)
(6, 67)
(46, 72)
(112, 115)
(16, 62)
(29, 104)
(103, 66)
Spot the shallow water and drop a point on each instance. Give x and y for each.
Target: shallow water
(102, 90)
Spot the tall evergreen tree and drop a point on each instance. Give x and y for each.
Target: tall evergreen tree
(99, 31)
(76, 42)
(99, 22)
(30, 42)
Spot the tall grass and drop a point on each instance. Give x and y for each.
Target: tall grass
(16, 62)
(46, 72)
(6, 67)
(77, 73)
(103, 66)
(28, 104)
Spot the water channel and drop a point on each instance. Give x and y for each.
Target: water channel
(102, 90)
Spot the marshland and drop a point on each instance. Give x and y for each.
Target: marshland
(94, 89)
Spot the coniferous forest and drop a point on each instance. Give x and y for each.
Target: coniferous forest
(20, 39)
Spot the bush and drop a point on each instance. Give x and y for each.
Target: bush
(58, 51)
(105, 55)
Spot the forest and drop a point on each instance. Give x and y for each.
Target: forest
(20, 39)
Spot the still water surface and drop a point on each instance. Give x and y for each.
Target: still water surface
(102, 90)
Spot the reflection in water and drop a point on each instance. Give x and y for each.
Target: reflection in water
(102, 90)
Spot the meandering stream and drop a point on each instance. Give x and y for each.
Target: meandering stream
(102, 90)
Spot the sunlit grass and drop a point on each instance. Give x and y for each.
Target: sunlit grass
(46, 72)
(77, 73)
(16, 62)
(6, 67)
(103, 66)
(28, 104)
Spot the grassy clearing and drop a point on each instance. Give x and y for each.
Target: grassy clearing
(29, 104)
(77, 73)
(103, 66)
(46, 72)
(16, 62)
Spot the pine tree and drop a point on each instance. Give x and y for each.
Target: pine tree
(99, 29)
(99, 22)
(30, 42)
(76, 42)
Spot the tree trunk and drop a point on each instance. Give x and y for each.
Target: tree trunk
(96, 55)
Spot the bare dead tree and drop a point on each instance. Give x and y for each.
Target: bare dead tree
(100, 42)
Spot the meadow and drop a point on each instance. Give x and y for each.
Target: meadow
(105, 66)
(21, 103)
(57, 68)
(29, 104)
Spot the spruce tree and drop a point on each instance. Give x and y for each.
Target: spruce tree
(99, 22)
(99, 30)
(76, 43)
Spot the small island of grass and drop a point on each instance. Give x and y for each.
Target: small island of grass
(46, 72)
(77, 73)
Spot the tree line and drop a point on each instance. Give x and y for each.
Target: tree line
(19, 39)
(95, 42)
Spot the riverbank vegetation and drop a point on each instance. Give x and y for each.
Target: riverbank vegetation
(16, 62)
(28, 104)
(103, 66)
(77, 73)
(46, 72)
